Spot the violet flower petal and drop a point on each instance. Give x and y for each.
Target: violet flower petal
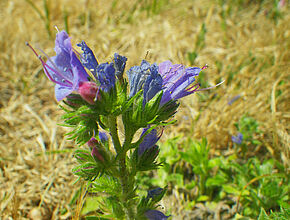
(62, 91)
(177, 81)
(64, 69)
(149, 140)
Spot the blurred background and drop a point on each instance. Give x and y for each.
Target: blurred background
(244, 42)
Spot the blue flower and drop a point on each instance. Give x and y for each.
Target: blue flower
(103, 136)
(88, 58)
(145, 77)
(64, 69)
(119, 64)
(106, 76)
(238, 139)
(149, 140)
(177, 81)
(155, 215)
(154, 193)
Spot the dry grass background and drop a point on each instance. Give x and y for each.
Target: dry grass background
(39, 186)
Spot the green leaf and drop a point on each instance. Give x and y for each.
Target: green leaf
(217, 180)
(190, 185)
(91, 205)
(231, 189)
(203, 198)
(176, 178)
(263, 215)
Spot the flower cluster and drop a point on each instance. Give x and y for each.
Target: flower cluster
(96, 94)
(68, 73)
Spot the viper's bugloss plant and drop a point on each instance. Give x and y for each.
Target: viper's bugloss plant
(94, 95)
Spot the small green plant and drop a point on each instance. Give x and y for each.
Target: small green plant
(283, 214)
(171, 171)
(254, 183)
(247, 127)
(260, 184)
(197, 155)
(204, 174)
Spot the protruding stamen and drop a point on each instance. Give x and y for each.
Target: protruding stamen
(27, 44)
(56, 69)
(147, 53)
(212, 86)
(204, 67)
(45, 66)
(56, 28)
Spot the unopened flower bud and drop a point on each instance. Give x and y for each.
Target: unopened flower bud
(155, 193)
(155, 215)
(97, 155)
(93, 142)
(88, 91)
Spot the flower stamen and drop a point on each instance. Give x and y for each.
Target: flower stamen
(45, 66)
(212, 86)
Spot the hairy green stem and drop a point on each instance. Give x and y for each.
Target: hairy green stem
(126, 179)
(202, 184)
(114, 133)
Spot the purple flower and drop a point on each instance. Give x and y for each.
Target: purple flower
(155, 215)
(149, 140)
(144, 77)
(88, 58)
(234, 99)
(64, 69)
(238, 139)
(177, 81)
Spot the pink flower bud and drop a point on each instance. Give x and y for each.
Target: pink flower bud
(96, 155)
(93, 142)
(88, 91)
(281, 4)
